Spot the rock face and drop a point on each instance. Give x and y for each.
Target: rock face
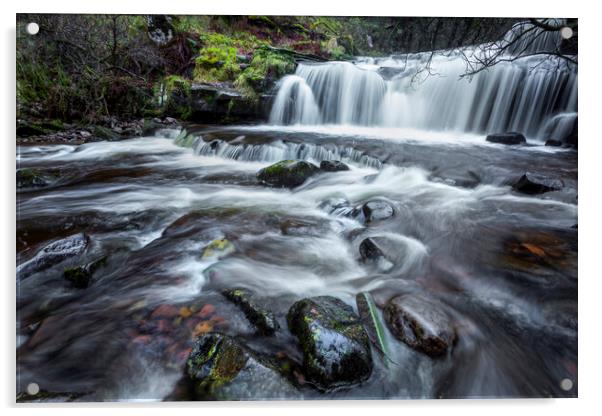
(219, 368)
(54, 253)
(263, 319)
(376, 211)
(336, 349)
(507, 138)
(287, 173)
(333, 166)
(421, 324)
(535, 184)
(221, 104)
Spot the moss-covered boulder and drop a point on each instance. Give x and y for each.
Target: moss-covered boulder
(263, 319)
(336, 349)
(220, 368)
(287, 173)
(420, 323)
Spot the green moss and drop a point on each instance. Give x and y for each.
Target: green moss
(267, 65)
(173, 95)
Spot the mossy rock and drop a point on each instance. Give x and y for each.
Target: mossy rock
(220, 368)
(263, 319)
(218, 248)
(336, 349)
(31, 178)
(287, 173)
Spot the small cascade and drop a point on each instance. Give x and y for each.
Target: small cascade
(529, 94)
(280, 150)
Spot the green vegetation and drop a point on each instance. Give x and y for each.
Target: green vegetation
(90, 68)
(266, 67)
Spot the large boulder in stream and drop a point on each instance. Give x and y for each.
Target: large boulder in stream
(336, 349)
(220, 368)
(535, 184)
(421, 324)
(511, 138)
(54, 253)
(263, 319)
(287, 173)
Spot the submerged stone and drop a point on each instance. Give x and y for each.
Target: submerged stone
(421, 324)
(80, 276)
(333, 166)
(220, 368)
(511, 138)
(263, 319)
(287, 173)
(336, 349)
(218, 248)
(535, 184)
(54, 253)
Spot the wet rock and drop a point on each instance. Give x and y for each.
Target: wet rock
(287, 173)
(382, 252)
(553, 143)
(31, 178)
(377, 211)
(421, 324)
(511, 138)
(333, 166)
(81, 276)
(53, 254)
(220, 368)
(534, 184)
(336, 350)
(263, 319)
(369, 249)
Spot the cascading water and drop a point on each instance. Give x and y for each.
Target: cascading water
(536, 94)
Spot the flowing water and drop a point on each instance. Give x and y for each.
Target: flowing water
(503, 264)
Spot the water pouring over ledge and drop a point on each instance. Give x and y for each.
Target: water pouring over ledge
(527, 91)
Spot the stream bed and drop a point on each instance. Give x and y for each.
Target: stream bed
(502, 263)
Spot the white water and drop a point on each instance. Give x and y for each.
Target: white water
(535, 95)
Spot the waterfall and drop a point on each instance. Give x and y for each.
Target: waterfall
(535, 95)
